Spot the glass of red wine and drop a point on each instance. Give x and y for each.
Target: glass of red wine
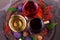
(36, 25)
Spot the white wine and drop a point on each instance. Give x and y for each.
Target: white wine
(17, 23)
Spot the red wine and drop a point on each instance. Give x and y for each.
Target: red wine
(36, 25)
(29, 9)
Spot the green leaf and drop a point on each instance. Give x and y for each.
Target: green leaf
(12, 9)
(33, 38)
(23, 38)
(51, 26)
